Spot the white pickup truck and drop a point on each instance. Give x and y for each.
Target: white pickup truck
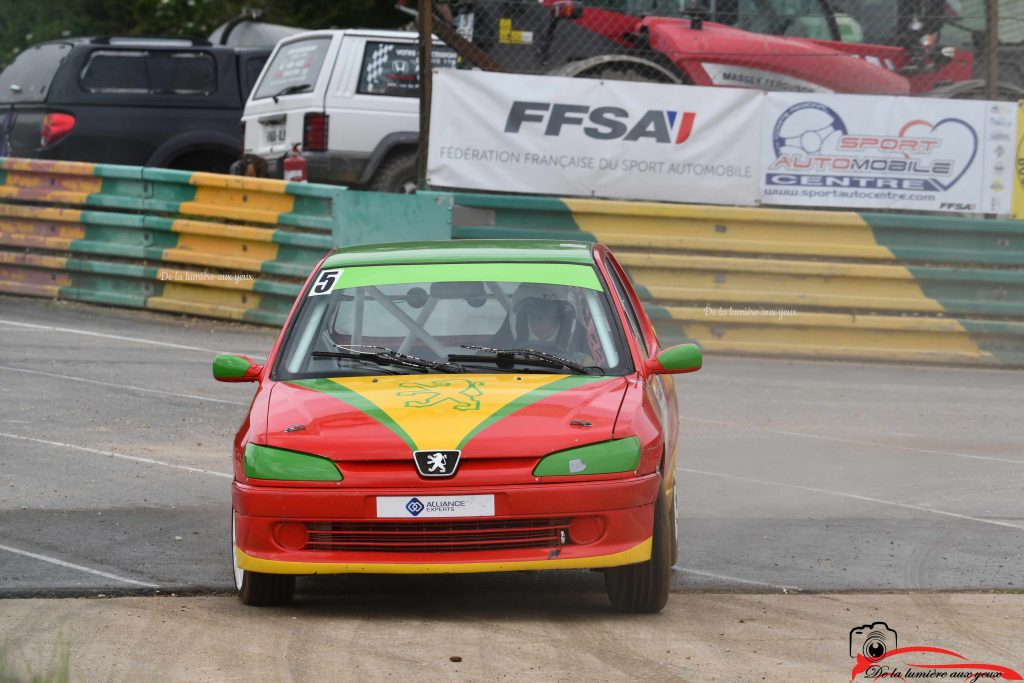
(350, 98)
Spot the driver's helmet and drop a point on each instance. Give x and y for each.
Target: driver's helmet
(541, 313)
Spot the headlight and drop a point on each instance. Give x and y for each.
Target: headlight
(607, 457)
(264, 462)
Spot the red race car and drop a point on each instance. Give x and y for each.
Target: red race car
(466, 406)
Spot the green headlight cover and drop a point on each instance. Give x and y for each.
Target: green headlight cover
(264, 462)
(621, 455)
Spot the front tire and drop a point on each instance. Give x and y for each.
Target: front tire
(643, 588)
(256, 589)
(674, 534)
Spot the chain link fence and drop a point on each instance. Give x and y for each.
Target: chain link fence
(919, 47)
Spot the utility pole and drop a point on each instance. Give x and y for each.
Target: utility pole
(426, 23)
(992, 49)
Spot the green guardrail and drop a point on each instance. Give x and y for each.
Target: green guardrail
(196, 243)
(762, 281)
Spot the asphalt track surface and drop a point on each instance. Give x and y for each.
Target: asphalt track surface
(794, 475)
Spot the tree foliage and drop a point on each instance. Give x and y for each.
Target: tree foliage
(25, 22)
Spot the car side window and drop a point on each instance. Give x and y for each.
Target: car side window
(253, 67)
(394, 68)
(184, 73)
(627, 306)
(142, 71)
(117, 72)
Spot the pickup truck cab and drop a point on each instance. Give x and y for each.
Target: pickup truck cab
(350, 98)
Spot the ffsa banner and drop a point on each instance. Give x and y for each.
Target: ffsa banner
(888, 153)
(594, 138)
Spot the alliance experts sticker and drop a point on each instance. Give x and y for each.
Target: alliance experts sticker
(406, 507)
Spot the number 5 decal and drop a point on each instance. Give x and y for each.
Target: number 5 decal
(325, 282)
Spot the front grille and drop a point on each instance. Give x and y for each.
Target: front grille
(441, 536)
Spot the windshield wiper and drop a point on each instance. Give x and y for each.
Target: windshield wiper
(382, 355)
(292, 90)
(511, 355)
(352, 356)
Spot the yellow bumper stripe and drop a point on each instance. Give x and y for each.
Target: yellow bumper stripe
(638, 553)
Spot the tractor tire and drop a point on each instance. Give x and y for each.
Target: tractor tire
(977, 90)
(622, 68)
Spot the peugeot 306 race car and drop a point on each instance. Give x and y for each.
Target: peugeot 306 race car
(467, 406)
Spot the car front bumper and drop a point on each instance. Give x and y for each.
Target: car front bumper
(534, 527)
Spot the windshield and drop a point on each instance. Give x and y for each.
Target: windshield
(797, 18)
(436, 311)
(887, 23)
(294, 68)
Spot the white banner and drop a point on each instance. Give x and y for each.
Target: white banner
(588, 137)
(869, 152)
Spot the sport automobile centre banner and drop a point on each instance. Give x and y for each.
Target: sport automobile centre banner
(589, 137)
(870, 152)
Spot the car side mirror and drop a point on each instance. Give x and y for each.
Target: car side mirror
(231, 368)
(676, 360)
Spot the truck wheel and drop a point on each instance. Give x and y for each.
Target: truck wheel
(644, 587)
(260, 590)
(396, 174)
(207, 161)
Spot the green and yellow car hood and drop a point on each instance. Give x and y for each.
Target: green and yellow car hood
(372, 418)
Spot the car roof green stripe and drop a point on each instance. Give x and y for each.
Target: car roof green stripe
(464, 251)
(541, 392)
(357, 401)
(567, 274)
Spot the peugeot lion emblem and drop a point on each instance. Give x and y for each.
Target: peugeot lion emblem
(436, 463)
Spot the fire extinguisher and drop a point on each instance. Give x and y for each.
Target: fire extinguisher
(295, 166)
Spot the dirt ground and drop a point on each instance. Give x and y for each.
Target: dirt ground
(548, 637)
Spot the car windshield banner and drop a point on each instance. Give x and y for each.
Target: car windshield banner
(888, 153)
(593, 138)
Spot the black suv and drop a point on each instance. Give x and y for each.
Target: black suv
(171, 102)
